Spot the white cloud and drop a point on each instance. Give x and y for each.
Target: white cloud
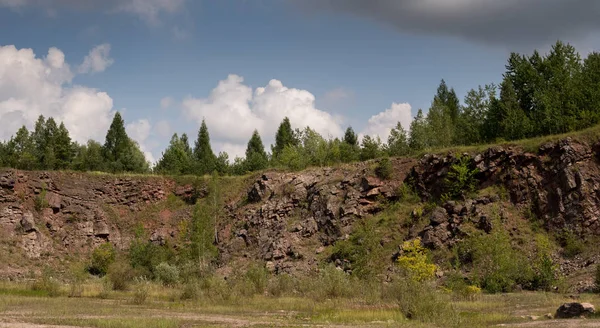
(149, 10)
(337, 95)
(163, 128)
(232, 112)
(166, 102)
(32, 86)
(140, 132)
(382, 124)
(98, 60)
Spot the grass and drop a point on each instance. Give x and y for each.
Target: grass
(18, 304)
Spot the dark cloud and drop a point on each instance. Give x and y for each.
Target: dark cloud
(148, 10)
(504, 22)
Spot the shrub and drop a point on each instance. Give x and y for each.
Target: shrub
(47, 284)
(40, 201)
(496, 265)
(415, 262)
(120, 274)
(191, 291)
(571, 243)
(78, 274)
(141, 291)
(282, 284)
(257, 276)
(422, 302)
(167, 274)
(102, 257)
(460, 179)
(384, 169)
(333, 283)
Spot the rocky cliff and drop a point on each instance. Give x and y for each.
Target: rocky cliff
(291, 220)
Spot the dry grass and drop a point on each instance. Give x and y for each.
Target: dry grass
(162, 309)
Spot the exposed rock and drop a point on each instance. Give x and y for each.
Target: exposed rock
(574, 310)
(28, 223)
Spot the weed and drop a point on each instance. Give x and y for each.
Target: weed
(47, 284)
(102, 257)
(384, 169)
(141, 291)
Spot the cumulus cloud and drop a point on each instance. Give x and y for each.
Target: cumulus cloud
(98, 60)
(166, 102)
(507, 22)
(233, 110)
(31, 86)
(140, 132)
(382, 124)
(163, 129)
(148, 10)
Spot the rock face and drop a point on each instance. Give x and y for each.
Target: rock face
(574, 310)
(289, 219)
(561, 183)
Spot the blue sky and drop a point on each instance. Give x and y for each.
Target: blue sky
(356, 58)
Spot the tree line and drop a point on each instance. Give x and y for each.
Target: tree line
(539, 95)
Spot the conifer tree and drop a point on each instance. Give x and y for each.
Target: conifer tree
(284, 137)
(418, 139)
(256, 157)
(63, 148)
(203, 153)
(117, 140)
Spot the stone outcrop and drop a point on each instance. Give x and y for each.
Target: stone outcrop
(574, 310)
(561, 183)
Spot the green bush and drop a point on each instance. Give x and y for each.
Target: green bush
(102, 257)
(460, 179)
(280, 285)
(333, 283)
(258, 278)
(78, 274)
(47, 284)
(120, 274)
(167, 274)
(422, 302)
(495, 265)
(572, 244)
(384, 169)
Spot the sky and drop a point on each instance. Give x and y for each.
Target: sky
(246, 64)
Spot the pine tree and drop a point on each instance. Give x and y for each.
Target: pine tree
(63, 148)
(350, 137)
(398, 142)
(39, 139)
(256, 157)
(203, 153)
(284, 137)
(116, 144)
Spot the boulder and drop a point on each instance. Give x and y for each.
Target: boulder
(438, 216)
(28, 223)
(574, 310)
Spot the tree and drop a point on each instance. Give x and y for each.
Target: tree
(470, 125)
(371, 148)
(22, 150)
(63, 148)
(39, 139)
(418, 133)
(398, 142)
(448, 99)
(439, 126)
(514, 122)
(284, 137)
(203, 153)
(256, 157)
(222, 164)
(120, 152)
(175, 160)
(350, 137)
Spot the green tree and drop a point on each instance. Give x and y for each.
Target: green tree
(284, 137)
(398, 142)
(439, 126)
(349, 148)
(175, 160)
(203, 153)
(63, 148)
(22, 150)
(470, 128)
(350, 137)
(39, 139)
(371, 148)
(120, 152)
(256, 157)
(222, 164)
(418, 133)
(448, 99)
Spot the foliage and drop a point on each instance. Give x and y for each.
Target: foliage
(47, 283)
(415, 263)
(102, 257)
(285, 137)
(204, 157)
(256, 157)
(167, 274)
(120, 274)
(384, 169)
(495, 265)
(571, 243)
(420, 301)
(141, 291)
(461, 179)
